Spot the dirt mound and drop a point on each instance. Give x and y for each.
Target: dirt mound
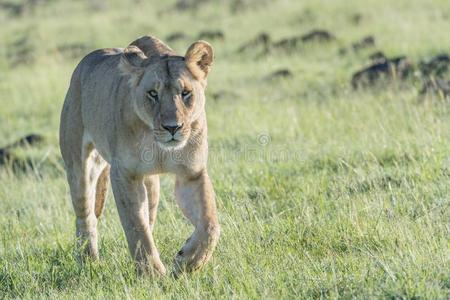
(211, 35)
(436, 66)
(278, 74)
(7, 158)
(439, 86)
(395, 68)
(291, 43)
(261, 40)
(364, 43)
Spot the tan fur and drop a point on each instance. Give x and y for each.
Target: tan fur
(199, 59)
(101, 191)
(111, 127)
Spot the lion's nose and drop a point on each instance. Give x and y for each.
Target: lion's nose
(172, 129)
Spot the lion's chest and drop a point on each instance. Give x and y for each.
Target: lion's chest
(151, 159)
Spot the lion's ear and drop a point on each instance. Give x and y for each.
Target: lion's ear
(199, 58)
(131, 64)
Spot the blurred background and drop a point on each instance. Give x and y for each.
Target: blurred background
(329, 136)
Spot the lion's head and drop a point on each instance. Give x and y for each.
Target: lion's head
(167, 91)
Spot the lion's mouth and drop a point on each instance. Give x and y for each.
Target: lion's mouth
(168, 141)
(172, 143)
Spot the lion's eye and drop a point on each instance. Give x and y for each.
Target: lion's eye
(185, 94)
(152, 94)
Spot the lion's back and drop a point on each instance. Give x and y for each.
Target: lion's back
(98, 62)
(90, 88)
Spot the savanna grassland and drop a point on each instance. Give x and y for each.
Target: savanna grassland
(322, 190)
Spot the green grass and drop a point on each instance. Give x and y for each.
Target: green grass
(350, 197)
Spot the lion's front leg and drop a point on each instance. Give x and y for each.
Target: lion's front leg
(131, 199)
(152, 185)
(196, 199)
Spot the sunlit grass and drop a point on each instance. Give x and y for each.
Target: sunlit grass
(322, 191)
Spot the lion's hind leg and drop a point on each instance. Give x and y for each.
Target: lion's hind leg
(101, 191)
(83, 173)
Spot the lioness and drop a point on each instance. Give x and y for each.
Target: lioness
(130, 115)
